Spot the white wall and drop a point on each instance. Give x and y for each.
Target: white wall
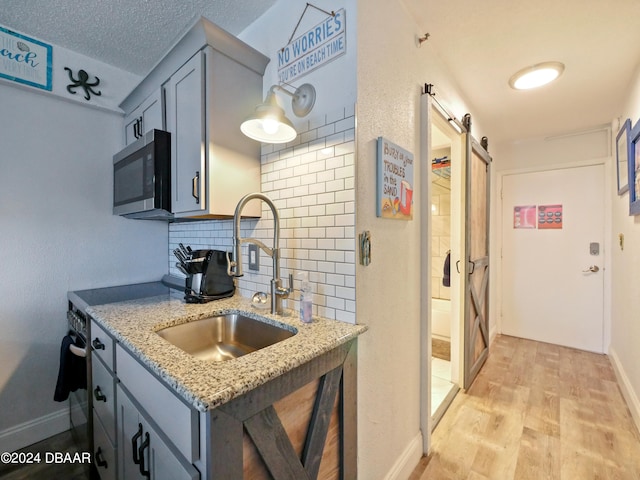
(391, 72)
(57, 233)
(625, 311)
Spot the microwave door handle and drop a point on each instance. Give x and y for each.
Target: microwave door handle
(195, 187)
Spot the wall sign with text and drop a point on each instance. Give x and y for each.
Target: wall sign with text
(25, 60)
(314, 48)
(394, 196)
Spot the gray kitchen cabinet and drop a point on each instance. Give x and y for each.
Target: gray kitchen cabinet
(104, 452)
(213, 165)
(209, 81)
(144, 452)
(141, 429)
(185, 120)
(147, 116)
(103, 402)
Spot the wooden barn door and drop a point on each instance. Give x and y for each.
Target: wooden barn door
(476, 308)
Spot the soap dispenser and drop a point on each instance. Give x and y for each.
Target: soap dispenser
(306, 298)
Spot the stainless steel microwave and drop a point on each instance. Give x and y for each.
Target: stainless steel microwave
(142, 178)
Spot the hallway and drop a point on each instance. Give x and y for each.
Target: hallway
(536, 411)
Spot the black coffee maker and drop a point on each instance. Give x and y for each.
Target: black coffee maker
(206, 271)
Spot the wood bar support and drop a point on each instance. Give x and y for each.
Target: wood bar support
(335, 375)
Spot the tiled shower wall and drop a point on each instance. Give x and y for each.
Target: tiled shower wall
(440, 229)
(312, 183)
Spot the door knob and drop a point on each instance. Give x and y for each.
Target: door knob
(592, 268)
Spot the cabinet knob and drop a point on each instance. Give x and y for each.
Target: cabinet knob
(99, 396)
(100, 461)
(97, 344)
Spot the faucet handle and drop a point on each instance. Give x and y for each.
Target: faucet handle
(231, 265)
(284, 292)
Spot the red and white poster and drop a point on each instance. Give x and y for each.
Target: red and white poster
(550, 217)
(524, 216)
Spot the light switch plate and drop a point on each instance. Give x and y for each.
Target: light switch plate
(254, 257)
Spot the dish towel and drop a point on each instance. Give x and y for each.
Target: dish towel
(446, 274)
(72, 374)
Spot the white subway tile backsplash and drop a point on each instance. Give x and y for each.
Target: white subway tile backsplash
(345, 124)
(335, 116)
(335, 185)
(312, 182)
(345, 148)
(335, 140)
(327, 243)
(326, 131)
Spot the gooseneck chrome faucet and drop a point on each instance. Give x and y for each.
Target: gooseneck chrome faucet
(234, 267)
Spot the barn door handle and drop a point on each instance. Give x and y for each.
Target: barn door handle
(473, 267)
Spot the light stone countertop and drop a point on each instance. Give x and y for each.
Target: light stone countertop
(206, 384)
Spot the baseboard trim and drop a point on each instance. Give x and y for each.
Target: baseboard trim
(625, 386)
(407, 462)
(33, 431)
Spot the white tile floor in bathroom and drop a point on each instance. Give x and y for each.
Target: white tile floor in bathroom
(441, 384)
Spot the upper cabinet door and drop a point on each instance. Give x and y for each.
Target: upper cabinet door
(146, 117)
(185, 97)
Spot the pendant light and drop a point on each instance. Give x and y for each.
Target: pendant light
(269, 124)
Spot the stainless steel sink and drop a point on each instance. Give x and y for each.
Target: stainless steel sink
(223, 337)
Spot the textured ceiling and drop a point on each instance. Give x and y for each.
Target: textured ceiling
(483, 43)
(129, 34)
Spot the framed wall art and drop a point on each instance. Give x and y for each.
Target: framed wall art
(25, 60)
(634, 170)
(394, 198)
(623, 148)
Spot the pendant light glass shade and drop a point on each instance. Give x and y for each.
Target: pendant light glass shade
(269, 124)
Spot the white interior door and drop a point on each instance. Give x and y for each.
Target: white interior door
(552, 278)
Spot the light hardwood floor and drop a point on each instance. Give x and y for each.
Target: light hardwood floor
(536, 411)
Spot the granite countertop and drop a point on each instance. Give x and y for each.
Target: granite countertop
(206, 384)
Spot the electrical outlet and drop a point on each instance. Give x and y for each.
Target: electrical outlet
(254, 257)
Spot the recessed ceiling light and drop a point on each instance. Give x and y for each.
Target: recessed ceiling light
(536, 75)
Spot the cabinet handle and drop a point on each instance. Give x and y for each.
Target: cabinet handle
(100, 461)
(134, 445)
(195, 187)
(137, 128)
(97, 344)
(99, 396)
(145, 444)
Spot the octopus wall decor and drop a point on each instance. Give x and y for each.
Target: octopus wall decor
(82, 81)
